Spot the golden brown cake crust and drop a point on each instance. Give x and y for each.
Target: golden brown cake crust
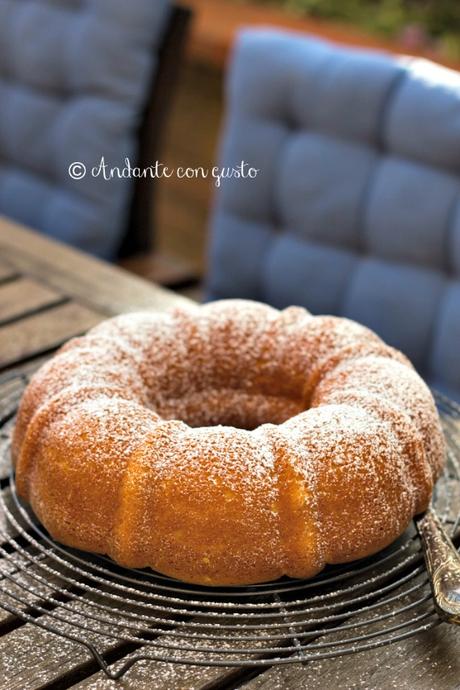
(229, 443)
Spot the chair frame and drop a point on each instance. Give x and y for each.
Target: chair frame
(138, 235)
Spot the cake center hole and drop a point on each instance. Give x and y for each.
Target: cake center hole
(231, 407)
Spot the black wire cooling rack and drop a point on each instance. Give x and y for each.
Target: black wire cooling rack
(90, 600)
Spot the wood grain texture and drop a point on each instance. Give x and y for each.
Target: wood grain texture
(17, 592)
(10, 392)
(32, 658)
(92, 282)
(7, 568)
(7, 528)
(6, 271)
(22, 296)
(5, 449)
(157, 675)
(60, 661)
(44, 331)
(21, 373)
(48, 273)
(152, 675)
(430, 661)
(423, 662)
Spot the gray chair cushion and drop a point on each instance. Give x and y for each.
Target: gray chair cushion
(356, 207)
(73, 78)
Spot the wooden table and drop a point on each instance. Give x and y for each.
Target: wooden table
(49, 293)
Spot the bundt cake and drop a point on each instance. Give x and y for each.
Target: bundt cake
(229, 443)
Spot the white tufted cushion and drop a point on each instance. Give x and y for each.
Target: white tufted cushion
(356, 210)
(73, 80)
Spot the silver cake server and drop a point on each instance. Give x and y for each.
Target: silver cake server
(443, 565)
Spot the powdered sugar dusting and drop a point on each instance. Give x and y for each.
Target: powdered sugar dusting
(136, 441)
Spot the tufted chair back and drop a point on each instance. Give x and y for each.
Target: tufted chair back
(356, 208)
(73, 81)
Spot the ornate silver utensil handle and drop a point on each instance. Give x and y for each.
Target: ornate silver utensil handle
(443, 565)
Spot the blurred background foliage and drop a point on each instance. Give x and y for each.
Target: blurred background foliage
(414, 23)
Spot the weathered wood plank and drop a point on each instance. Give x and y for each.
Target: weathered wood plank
(44, 331)
(426, 662)
(5, 446)
(55, 660)
(150, 674)
(20, 568)
(157, 675)
(154, 675)
(31, 657)
(25, 369)
(12, 384)
(10, 394)
(6, 271)
(7, 529)
(24, 295)
(143, 675)
(93, 282)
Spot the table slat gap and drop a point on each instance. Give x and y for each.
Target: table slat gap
(23, 297)
(44, 331)
(97, 284)
(7, 272)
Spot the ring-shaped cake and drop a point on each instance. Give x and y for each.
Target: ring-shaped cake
(229, 443)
